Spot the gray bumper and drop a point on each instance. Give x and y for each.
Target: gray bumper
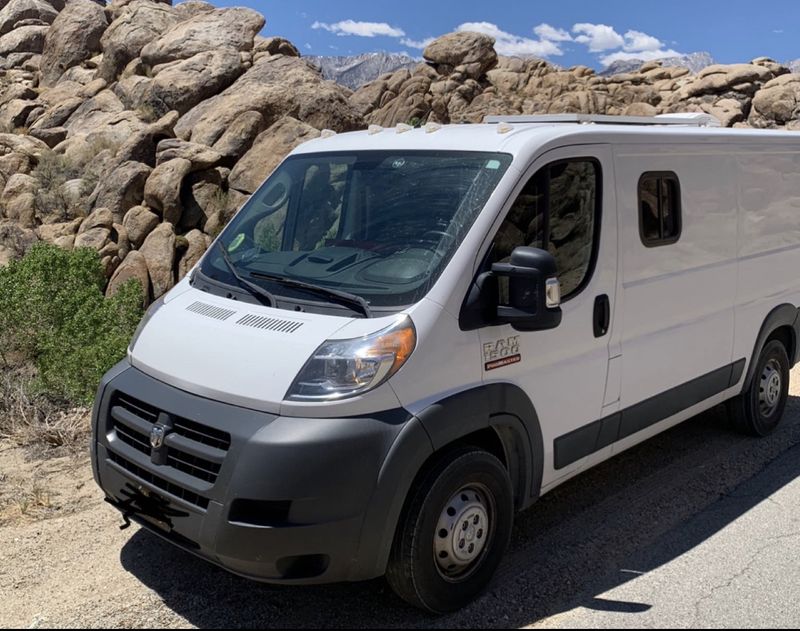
(283, 500)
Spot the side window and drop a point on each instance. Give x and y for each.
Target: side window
(558, 210)
(659, 208)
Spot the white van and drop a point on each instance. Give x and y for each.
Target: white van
(407, 335)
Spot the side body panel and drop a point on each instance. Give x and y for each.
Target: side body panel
(677, 320)
(768, 187)
(697, 312)
(563, 371)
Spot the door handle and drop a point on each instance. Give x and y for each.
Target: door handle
(602, 315)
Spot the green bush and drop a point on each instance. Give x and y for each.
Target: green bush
(53, 313)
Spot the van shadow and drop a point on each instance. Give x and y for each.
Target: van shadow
(592, 534)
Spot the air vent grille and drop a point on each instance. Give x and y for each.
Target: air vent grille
(269, 324)
(210, 311)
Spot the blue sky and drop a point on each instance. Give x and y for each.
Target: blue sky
(567, 32)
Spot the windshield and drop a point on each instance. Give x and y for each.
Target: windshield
(375, 226)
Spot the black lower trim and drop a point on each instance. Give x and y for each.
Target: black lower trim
(297, 500)
(596, 436)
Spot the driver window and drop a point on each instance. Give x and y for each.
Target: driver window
(524, 224)
(557, 210)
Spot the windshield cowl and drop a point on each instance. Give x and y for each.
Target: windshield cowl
(286, 300)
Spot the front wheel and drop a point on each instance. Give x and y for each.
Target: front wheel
(454, 532)
(758, 410)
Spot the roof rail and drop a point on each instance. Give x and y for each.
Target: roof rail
(686, 120)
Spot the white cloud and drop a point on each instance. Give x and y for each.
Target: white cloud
(598, 37)
(361, 29)
(634, 45)
(636, 40)
(415, 43)
(640, 55)
(513, 45)
(552, 34)
(308, 46)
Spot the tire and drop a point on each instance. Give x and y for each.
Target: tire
(758, 411)
(466, 495)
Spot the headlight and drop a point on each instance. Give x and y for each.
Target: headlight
(345, 368)
(147, 316)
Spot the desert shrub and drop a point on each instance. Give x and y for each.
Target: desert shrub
(51, 173)
(54, 313)
(151, 110)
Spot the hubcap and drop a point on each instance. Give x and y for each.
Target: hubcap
(770, 388)
(462, 532)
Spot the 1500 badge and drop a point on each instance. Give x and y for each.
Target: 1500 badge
(501, 353)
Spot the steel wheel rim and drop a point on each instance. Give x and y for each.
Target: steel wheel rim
(770, 388)
(463, 532)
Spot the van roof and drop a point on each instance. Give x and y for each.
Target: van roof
(520, 137)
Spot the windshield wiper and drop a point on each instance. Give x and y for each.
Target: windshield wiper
(357, 303)
(254, 289)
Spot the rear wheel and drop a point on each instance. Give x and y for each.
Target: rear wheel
(758, 411)
(454, 532)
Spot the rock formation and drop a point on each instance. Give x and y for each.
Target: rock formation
(138, 128)
(464, 80)
(120, 126)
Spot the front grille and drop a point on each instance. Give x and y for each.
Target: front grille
(189, 447)
(202, 434)
(158, 482)
(194, 466)
(133, 438)
(139, 408)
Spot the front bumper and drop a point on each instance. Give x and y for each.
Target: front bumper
(276, 499)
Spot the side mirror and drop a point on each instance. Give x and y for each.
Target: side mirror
(532, 301)
(524, 293)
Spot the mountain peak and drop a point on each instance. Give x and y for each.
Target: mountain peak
(354, 71)
(693, 61)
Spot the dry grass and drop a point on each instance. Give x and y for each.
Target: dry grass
(18, 501)
(33, 487)
(39, 438)
(29, 419)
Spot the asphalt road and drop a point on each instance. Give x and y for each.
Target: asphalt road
(736, 564)
(697, 527)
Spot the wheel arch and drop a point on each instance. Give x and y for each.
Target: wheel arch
(783, 322)
(508, 413)
(493, 416)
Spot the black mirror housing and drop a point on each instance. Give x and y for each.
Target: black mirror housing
(531, 301)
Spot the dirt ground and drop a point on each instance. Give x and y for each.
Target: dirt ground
(64, 562)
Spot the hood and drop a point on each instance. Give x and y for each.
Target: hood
(244, 354)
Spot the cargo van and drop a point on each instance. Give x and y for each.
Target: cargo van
(406, 336)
